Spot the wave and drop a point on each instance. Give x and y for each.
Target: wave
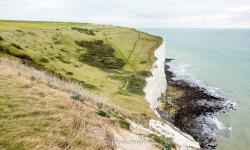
(207, 125)
(181, 73)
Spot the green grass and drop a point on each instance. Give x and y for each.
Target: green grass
(18, 25)
(34, 115)
(78, 97)
(52, 46)
(163, 143)
(86, 31)
(103, 114)
(124, 124)
(100, 55)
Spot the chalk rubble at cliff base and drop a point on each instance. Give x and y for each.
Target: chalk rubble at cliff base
(182, 140)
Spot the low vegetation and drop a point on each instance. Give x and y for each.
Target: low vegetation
(162, 142)
(103, 114)
(40, 111)
(86, 31)
(58, 104)
(89, 62)
(100, 55)
(78, 97)
(1, 38)
(16, 46)
(34, 115)
(132, 83)
(124, 124)
(136, 84)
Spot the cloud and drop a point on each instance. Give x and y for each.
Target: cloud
(136, 13)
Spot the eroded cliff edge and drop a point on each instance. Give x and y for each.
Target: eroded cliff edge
(155, 87)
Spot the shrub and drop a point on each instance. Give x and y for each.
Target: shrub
(16, 46)
(100, 55)
(78, 97)
(86, 85)
(124, 124)
(57, 42)
(165, 143)
(3, 49)
(69, 73)
(1, 38)
(19, 31)
(64, 50)
(44, 60)
(103, 114)
(99, 105)
(32, 78)
(144, 73)
(86, 31)
(24, 57)
(136, 85)
(143, 62)
(62, 59)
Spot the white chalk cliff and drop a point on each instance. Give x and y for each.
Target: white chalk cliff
(156, 85)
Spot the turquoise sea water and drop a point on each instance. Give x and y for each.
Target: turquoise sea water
(220, 60)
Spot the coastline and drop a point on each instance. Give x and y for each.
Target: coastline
(158, 80)
(192, 109)
(158, 83)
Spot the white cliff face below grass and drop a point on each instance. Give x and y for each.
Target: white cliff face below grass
(156, 84)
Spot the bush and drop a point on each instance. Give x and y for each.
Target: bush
(25, 57)
(124, 124)
(86, 31)
(86, 85)
(78, 97)
(144, 73)
(143, 62)
(100, 55)
(32, 78)
(57, 42)
(99, 105)
(19, 31)
(16, 46)
(69, 73)
(103, 114)
(44, 60)
(1, 38)
(62, 59)
(165, 143)
(4, 49)
(136, 85)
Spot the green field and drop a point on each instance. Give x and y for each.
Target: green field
(108, 60)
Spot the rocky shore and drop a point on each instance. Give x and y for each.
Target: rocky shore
(191, 108)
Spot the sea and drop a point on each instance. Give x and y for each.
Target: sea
(219, 61)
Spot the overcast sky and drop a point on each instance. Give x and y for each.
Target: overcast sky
(133, 13)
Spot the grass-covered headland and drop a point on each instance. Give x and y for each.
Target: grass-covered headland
(106, 60)
(87, 53)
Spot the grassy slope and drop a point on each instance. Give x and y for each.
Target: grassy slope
(36, 116)
(38, 113)
(48, 40)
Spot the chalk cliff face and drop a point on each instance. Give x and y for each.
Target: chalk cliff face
(156, 85)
